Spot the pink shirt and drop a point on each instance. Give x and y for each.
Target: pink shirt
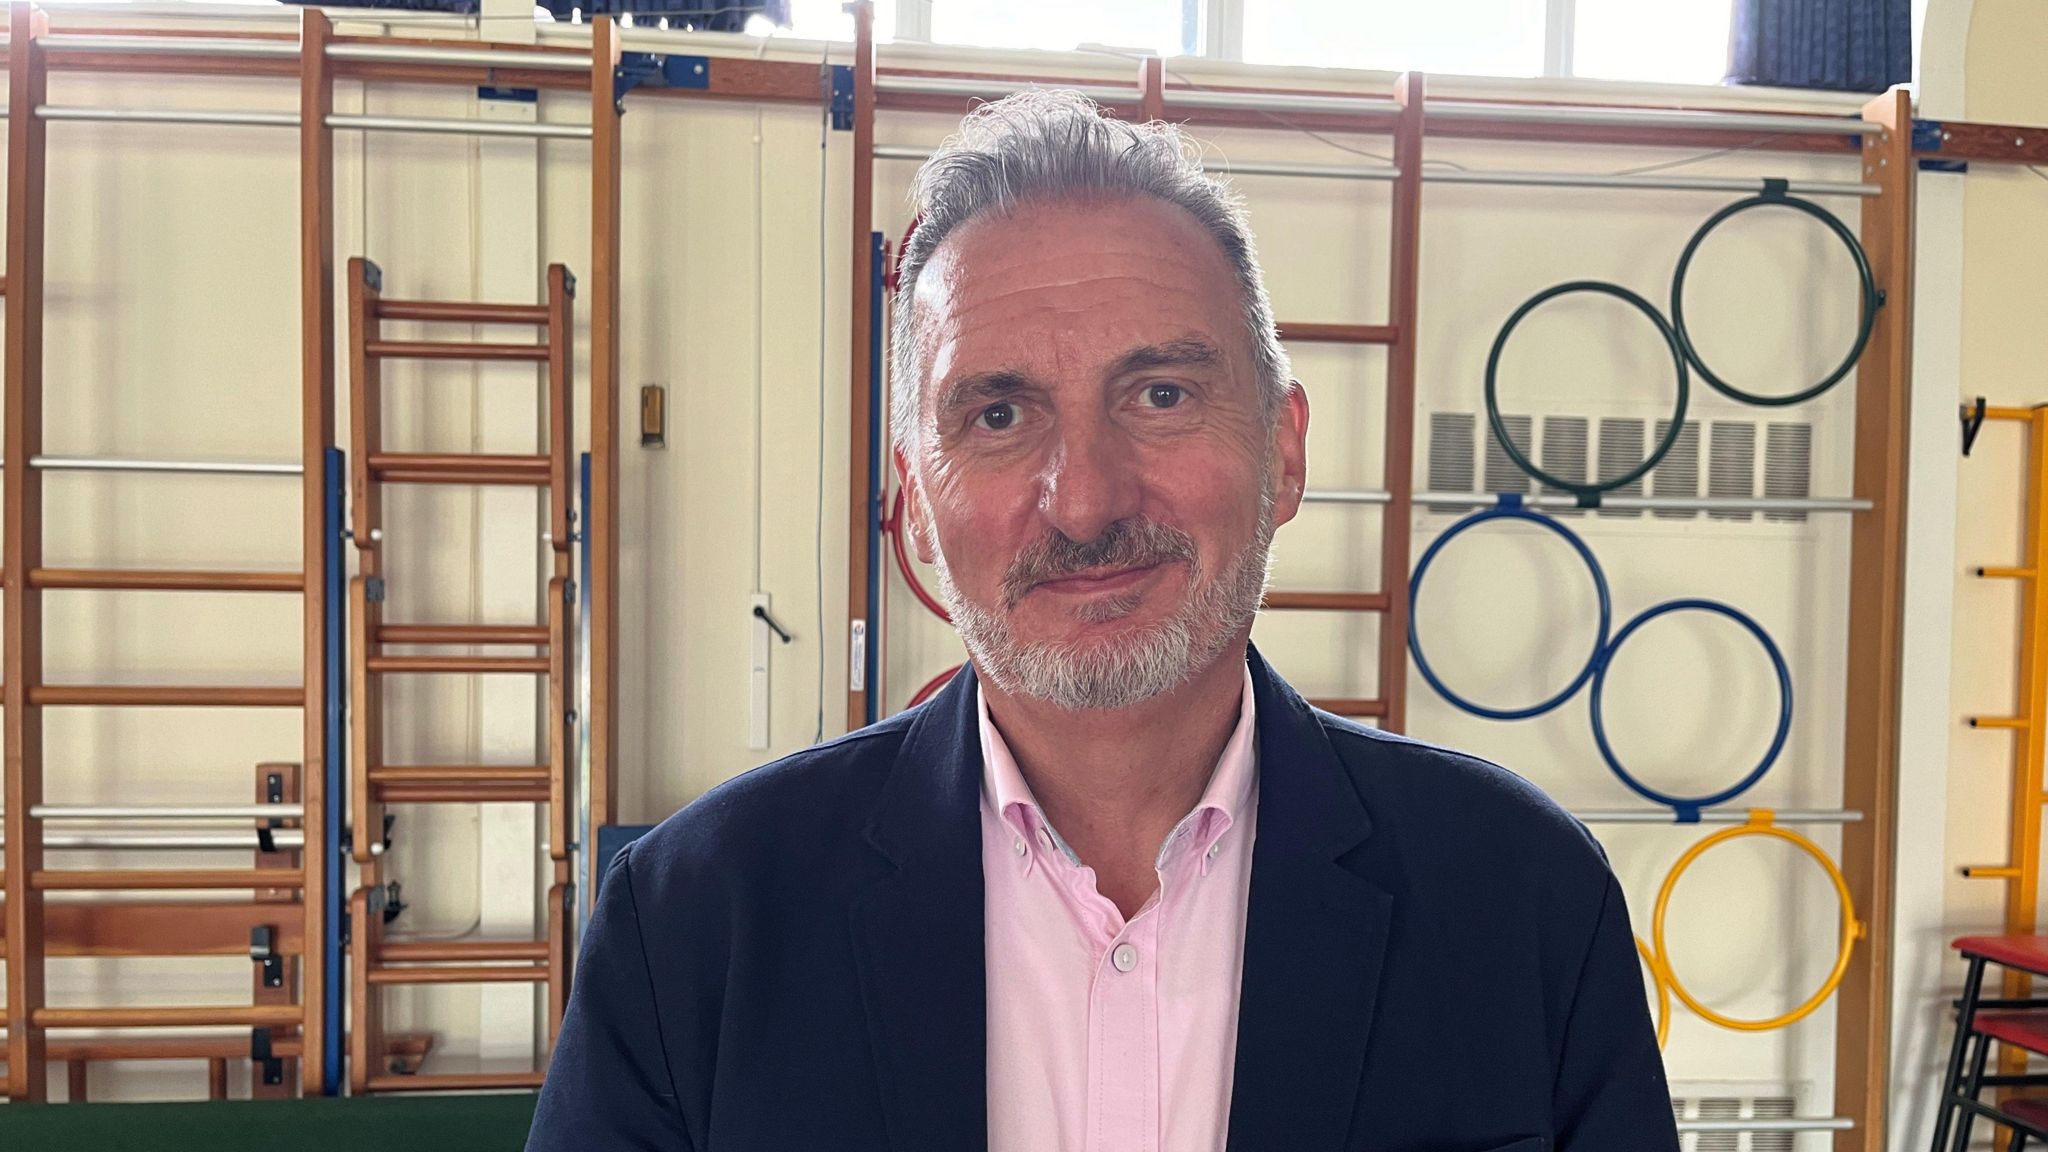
(1106, 1035)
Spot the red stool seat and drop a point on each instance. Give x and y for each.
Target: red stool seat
(2026, 1029)
(2031, 1109)
(2026, 953)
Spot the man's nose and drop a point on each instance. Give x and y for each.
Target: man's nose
(1091, 481)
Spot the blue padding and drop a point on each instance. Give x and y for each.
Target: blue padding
(1688, 810)
(612, 839)
(1509, 508)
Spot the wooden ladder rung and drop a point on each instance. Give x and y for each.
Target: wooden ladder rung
(536, 634)
(163, 880)
(165, 696)
(168, 580)
(226, 1015)
(1339, 333)
(461, 312)
(461, 951)
(451, 350)
(432, 468)
(462, 794)
(453, 1081)
(1327, 601)
(500, 774)
(480, 664)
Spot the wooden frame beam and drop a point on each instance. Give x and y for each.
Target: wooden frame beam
(21, 538)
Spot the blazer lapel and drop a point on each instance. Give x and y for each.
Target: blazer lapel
(1315, 939)
(918, 937)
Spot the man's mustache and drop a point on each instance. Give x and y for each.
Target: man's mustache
(1134, 542)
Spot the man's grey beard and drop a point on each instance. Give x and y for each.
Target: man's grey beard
(1153, 658)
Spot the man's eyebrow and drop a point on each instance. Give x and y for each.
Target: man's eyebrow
(1187, 352)
(982, 387)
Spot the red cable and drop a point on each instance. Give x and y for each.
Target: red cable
(933, 685)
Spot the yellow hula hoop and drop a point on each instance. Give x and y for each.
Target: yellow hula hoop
(1663, 992)
(1759, 824)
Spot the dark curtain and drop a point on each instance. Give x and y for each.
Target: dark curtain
(1845, 45)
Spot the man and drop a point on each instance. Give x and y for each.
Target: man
(1117, 887)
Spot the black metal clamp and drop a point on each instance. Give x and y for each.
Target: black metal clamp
(263, 950)
(269, 1065)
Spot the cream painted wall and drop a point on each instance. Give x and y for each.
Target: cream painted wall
(149, 276)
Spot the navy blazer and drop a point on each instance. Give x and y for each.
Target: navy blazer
(1436, 959)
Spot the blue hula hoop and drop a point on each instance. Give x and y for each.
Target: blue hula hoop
(1688, 809)
(1509, 508)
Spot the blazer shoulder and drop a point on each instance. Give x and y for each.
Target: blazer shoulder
(780, 815)
(1457, 800)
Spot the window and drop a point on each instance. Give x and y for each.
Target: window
(1680, 41)
(1468, 37)
(1669, 41)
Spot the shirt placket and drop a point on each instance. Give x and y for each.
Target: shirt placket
(1123, 1027)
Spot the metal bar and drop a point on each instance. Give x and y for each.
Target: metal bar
(167, 812)
(207, 467)
(438, 54)
(1715, 816)
(288, 839)
(1787, 123)
(170, 116)
(1788, 1124)
(157, 880)
(173, 45)
(459, 126)
(471, 974)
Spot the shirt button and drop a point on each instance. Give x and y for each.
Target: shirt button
(1020, 847)
(1045, 838)
(1214, 849)
(1125, 957)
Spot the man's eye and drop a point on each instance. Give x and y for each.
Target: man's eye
(1164, 395)
(997, 417)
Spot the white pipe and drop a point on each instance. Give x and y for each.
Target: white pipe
(171, 116)
(447, 126)
(1716, 816)
(282, 839)
(168, 812)
(209, 467)
(458, 126)
(434, 54)
(172, 45)
(1788, 1124)
(1597, 117)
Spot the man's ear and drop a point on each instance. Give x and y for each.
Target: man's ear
(916, 522)
(1290, 441)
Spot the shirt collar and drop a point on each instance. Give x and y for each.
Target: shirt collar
(1223, 802)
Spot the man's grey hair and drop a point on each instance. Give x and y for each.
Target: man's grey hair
(1048, 145)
